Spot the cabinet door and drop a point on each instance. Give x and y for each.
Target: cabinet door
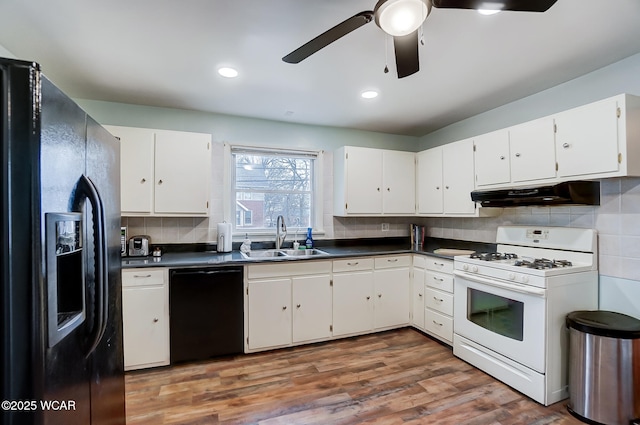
(363, 180)
(182, 172)
(269, 313)
(391, 293)
(492, 158)
(399, 182)
(587, 139)
(417, 309)
(136, 168)
(457, 159)
(311, 308)
(145, 318)
(352, 302)
(533, 153)
(429, 180)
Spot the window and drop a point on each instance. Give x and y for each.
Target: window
(267, 183)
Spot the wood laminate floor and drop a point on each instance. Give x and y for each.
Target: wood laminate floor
(395, 377)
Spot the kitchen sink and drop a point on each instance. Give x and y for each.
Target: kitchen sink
(278, 253)
(264, 253)
(304, 252)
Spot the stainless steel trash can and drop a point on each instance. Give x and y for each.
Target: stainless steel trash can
(604, 367)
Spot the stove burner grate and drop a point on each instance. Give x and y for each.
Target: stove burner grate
(493, 256)
(542, 263)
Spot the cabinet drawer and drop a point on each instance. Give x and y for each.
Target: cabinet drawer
(439, 281)
(439, 265)
(439, 301)
(392, 261)
(143, 277)
(438, 324)
(353, 264)
(419, 261)
(293, 268)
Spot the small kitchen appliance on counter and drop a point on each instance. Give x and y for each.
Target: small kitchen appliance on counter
(139, 246)
(224, 237)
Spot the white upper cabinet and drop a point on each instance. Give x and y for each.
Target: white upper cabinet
(371, 181)
(532, 151)
(445, 179)
(163, 172)
(601, 139)
(492, 158)
(522, 154)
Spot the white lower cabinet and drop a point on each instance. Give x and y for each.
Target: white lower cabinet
(392, 288)
(145, 317)
(287, 303)
(438, 296)
(417, 292)
(352, 296)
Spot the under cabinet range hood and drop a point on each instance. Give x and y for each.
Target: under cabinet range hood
(565, 193)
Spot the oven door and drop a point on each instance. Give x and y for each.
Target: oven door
(505, 317)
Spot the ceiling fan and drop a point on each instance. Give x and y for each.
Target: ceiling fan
(401, 19)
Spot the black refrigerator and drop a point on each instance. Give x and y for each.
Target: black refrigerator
(60, 312)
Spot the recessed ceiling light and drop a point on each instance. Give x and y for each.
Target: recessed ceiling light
(488, 11)
(227, 72)
(369, 94)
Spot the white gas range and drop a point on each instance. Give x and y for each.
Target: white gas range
(510, 306)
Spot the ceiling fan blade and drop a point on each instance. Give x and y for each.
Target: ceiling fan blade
(515, 5)
(406, 48)
(328, 37)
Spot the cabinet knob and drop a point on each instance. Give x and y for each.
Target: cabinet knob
(284, 307)
(388, 189)
(160, 181)
(437, 187)
(143, 180)
(378, 189)
(155, 320)
(420, 295)
(446, 187)
(517, 155)
(501, 156)
(379, 295)
(566, 145)
(368, 297)
(297, 305)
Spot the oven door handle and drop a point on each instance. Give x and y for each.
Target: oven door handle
(511, 286)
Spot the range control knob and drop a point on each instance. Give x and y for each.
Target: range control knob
(474, 269)
(525, 279)
(512, 276)
(465, 267)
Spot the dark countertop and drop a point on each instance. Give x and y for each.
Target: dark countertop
(199, 256)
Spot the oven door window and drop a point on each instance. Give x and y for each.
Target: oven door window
(497, 314)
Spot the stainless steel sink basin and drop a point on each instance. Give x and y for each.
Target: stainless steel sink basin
(263, 253)
(275, 253)
(304, 252)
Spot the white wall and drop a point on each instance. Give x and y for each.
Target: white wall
(4, 53)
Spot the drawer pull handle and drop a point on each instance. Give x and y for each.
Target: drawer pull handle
(392, 260)
(436, 323)
(353, 264)
(155, 320)
(439, 264)
(439, 279)
(438, 299)
(139, 276)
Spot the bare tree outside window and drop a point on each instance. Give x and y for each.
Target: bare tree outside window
(269, 184)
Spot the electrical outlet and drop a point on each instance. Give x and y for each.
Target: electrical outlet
(385, 227)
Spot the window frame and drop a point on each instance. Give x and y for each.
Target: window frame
(317, 201)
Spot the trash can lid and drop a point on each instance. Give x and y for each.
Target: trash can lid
(604, 323)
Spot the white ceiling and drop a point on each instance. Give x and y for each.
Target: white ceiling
(166, 52)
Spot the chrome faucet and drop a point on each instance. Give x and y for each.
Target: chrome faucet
(281, 231)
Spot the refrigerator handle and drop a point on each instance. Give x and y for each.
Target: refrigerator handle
(85, 189)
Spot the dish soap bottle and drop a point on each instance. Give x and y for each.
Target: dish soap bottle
(309, 241)
(246, 245)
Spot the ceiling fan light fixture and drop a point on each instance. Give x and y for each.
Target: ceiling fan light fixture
(488, 12)
(490, 8)
(401, 17)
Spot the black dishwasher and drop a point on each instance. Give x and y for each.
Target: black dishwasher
(206, 312)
